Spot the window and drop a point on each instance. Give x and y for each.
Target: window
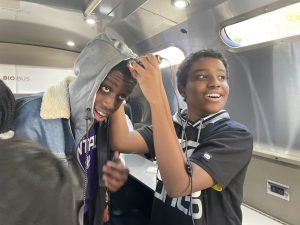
(278, 24)
(173, 56)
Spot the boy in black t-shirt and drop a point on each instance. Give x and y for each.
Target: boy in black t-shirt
(201, 153)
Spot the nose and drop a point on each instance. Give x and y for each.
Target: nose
(109, 103)
(214, 82)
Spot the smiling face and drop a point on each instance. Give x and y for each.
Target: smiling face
(206, 90)
(112, 92)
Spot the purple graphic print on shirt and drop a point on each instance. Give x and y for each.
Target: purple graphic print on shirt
(87, 150)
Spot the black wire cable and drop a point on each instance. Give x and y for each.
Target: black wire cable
(189, 171)
(191, 204)
(188, 165)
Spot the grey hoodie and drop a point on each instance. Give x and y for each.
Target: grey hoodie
(45, 117)
(91, 67)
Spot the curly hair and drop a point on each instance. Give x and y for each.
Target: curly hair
(123, 68)
(185, 66)
(7, 108)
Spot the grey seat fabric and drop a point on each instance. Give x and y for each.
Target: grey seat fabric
(128, 111)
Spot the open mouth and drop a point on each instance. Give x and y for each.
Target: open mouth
(213, 97)
(100, 116)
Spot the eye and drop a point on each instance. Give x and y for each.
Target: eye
(201, 76)
(122, 97)
(105, 89)
(222, 77)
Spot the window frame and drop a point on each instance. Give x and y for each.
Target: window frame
(235, 47)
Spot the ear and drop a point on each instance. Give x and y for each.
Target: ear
(181, 90)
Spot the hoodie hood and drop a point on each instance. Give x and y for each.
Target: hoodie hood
(91, 67)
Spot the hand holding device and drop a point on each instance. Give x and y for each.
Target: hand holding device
(137, 60)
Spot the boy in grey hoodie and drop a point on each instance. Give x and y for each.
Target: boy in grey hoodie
(71, 119)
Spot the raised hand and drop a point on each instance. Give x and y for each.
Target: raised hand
(149, 77)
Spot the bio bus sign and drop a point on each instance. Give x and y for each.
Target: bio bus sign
(28, 79)
(13, 77)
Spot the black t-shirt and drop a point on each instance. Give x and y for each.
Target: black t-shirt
(223, 148)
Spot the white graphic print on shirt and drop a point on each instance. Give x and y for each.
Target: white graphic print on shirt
(182, 203)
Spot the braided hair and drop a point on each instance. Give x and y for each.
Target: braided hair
(7, 108)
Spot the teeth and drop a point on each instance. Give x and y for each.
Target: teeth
(100, 113)
(214, 95)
